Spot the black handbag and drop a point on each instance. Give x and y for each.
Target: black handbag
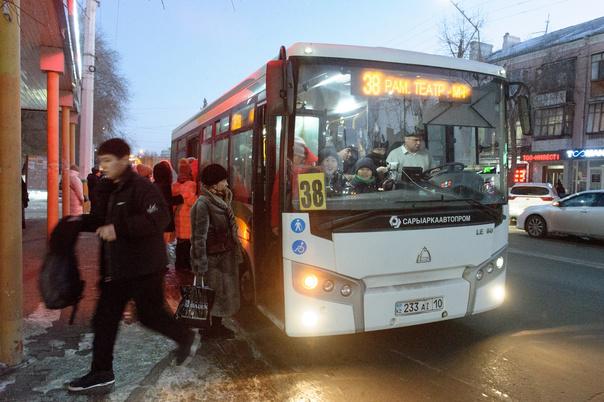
(195, 306)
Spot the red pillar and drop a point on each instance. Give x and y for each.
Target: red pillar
(65, 162)
(66, 100)
(52, 61)
(52, 130)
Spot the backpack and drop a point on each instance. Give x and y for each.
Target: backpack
(59, 281)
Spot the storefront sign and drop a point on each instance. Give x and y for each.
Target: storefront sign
(538, 157)
(585, 153)
(550, 99)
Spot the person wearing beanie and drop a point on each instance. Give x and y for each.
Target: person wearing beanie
(186, 188)
(130, 217)
(215, 248)
(329, 161)
(364, 180)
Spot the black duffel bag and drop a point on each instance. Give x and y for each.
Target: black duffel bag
(59, 281)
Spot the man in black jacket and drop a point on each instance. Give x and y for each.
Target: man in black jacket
(129, 216)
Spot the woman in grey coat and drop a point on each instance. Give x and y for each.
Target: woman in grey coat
(215, 248)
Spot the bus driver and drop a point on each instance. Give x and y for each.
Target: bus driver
(411, 153)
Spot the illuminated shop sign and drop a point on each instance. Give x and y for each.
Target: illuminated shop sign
(520, 174)
(550, 156)
(585, 153)
(384, 83)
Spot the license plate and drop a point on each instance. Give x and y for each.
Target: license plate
(419, 306)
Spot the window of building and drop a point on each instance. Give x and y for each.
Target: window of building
(595, 118)
(555, 121)
(241, 166)
(597, 67)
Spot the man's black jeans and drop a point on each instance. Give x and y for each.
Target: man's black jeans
(148, 294)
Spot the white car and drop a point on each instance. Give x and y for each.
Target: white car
(580, 214)
(524, 195)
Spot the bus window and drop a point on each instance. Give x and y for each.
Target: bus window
(207, 133)
(206, 154)
(221, 152)
(222, 126)
(307, 128)
(241, 166)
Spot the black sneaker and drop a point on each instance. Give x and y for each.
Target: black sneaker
(185, 352)
(100, 381)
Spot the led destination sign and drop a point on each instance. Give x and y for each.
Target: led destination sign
(383, 83)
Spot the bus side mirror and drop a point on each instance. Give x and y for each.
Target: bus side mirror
(524, 115)
(279, 88)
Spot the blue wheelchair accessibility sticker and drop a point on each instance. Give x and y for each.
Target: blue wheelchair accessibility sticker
(298, 225)
(299, 247)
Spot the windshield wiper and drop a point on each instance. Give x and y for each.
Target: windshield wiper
(491, 211)
(347, 220)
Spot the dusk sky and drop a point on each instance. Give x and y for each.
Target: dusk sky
(173, 57)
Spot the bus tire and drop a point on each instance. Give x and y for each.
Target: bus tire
(536, 226)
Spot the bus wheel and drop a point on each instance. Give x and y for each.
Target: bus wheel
(246, 284)
(536, 226)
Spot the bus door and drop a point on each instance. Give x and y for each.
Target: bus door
(193, 147)
(268, 272)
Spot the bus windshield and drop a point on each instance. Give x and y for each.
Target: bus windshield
(382, 138)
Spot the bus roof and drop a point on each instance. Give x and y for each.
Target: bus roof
(255, 82)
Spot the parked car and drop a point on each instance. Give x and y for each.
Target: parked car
(523, 195)
(580, 214)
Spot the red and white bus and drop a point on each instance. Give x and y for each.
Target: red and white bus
(425, 244)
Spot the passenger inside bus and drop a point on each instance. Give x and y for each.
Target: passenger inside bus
(329, 161)
(365, 177)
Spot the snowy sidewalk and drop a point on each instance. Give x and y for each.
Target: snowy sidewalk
(56, 352)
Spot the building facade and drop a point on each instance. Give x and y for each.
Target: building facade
(564, 71)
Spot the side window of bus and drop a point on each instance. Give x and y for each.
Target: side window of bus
(241, 166)
(221, 152)
(206, 154)
(182, 148)
(222, 125)
(207, 133)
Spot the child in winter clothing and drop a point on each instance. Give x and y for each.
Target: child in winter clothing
(364, 180)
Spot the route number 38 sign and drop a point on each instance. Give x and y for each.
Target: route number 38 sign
(311, 191)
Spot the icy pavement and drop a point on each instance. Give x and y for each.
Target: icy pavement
(221, 371)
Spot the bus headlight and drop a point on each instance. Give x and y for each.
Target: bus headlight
(328, 286)
(309, 318)
(499, 262)
(498, 294)
(311, 281)
(346, 290)
(490, 268)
